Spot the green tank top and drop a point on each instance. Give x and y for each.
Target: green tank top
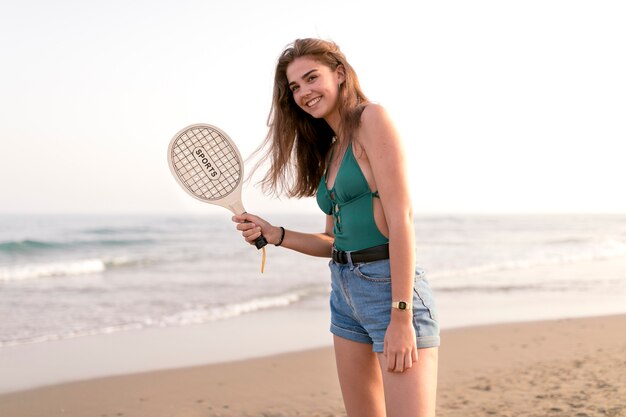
(350, 201)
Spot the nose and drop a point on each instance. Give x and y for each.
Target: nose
(304, 91)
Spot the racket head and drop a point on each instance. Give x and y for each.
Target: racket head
(207, 164)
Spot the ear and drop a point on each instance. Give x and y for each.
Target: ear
(341, 73)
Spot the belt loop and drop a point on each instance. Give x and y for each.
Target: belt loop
(349, 260)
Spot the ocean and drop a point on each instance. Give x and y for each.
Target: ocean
(68, 276)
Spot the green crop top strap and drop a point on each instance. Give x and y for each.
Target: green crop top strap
(350, 201)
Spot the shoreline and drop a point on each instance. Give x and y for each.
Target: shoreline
(559, 367)
(288, 329)
(262, 334)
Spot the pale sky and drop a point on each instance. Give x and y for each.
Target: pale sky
(503, 106)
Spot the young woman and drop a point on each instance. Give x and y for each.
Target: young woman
(327, 140)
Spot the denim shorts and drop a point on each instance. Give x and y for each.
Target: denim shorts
(360, 304)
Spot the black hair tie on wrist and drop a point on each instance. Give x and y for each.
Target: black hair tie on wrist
(282, 236)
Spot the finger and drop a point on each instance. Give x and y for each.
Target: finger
(414, 355)
(239, 218)
(408, 361)
(247, 218)
(247, 234)
(252, 233)
(392, 362)
(399, 363)
(245, 226)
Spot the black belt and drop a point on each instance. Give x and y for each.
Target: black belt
(375, 253)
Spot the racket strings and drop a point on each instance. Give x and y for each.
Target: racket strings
(219, 154)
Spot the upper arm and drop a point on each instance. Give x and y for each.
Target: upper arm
(387, 158)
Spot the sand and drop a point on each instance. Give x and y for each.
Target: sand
(568, 367)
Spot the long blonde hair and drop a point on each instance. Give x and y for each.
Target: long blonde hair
(296, 142)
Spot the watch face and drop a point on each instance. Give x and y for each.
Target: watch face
(402, 305)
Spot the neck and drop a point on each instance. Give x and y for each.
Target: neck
(334, 121)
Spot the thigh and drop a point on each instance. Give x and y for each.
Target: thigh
(360, 378)
(412, 393)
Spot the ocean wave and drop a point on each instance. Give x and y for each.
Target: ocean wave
(69, 335)
(486, 289)
(27, 246)
(203, 315)
(603, 250)
(66, 268)
(198, 315)
(52, 269)
(118, 230)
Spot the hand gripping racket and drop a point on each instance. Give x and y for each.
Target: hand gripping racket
(207, 164)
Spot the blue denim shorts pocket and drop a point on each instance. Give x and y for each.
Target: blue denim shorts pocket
(377, 271)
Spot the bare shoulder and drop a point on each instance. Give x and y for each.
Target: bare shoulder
(374, 114)
(376, 126)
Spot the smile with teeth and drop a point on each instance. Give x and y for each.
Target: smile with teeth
(313, 102)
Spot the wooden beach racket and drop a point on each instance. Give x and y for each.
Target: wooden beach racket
(207, 164)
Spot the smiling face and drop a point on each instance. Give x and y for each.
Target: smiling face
(315, 88)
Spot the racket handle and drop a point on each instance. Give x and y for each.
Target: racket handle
(260, 242)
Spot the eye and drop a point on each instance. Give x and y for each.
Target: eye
(311, 78)
(294, 88)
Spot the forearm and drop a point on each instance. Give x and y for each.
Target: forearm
(402, 259)
(314, 244)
